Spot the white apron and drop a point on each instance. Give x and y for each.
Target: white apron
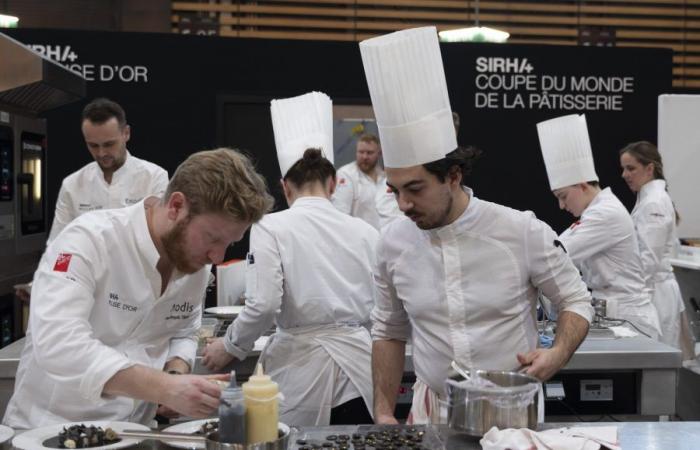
(307, 362)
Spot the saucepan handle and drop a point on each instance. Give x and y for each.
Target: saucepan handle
(161, 435)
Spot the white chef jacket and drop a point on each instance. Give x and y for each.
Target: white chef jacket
(355, 193)
(468, 290)
(603, 245)
(387, 206)
(96, 309)
(310, 271)
(655, 222)
(86, 190)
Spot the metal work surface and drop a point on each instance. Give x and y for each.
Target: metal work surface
(626, 353)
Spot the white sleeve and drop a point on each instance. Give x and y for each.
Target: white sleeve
(159, 183)
(61, 331)
(63, 215)
(344, 195)
(387, 206)
(263, 296)
(389, 317)
(653, 226)
(594, 233)
(552, 271)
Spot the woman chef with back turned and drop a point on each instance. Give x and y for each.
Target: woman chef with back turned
(309, 271)
(602, 243)
(655, 220)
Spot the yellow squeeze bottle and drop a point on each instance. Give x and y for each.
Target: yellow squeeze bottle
(262, 411)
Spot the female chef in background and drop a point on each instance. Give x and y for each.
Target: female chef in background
(602, 243)
(309, 271)
(655, 220)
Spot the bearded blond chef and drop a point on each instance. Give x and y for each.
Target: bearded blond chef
(459, 275)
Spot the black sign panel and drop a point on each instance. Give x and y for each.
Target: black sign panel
(177, 89)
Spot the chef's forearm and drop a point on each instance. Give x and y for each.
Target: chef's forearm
(388, 357)
(571, 331)
(139, 382)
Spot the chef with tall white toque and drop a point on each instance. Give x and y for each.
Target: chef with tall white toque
(310, 273)
(602, 242)
(458, 275)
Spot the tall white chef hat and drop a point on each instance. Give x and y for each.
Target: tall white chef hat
(407, 85)
(567, 152)
(301, 123)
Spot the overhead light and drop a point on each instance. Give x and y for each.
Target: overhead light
(474, 34)
(8, 21)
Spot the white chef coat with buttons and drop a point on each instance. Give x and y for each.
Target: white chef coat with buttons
(86, 190)
(96, 309)
(603, 245)
(468, 290)
(654, 220)
(310, 272)
(355, 193)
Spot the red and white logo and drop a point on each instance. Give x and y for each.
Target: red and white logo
(341, 181)
(62, 262)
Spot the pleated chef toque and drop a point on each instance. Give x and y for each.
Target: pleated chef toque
(567, 152)
(301, 123)
(407, 85)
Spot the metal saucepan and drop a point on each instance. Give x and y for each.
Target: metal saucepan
(211, 440)
(491, 398)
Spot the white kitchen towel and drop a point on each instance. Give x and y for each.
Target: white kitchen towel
(568, 438)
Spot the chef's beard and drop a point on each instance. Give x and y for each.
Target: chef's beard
(440, 218)
(174, 246)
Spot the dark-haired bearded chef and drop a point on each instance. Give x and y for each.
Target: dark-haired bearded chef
(458, 275)
(118, 295)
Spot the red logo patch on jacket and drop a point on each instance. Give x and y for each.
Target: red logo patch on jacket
(341, 181)
(575, 224)
(62, 262)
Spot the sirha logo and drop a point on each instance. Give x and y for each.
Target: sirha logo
(186, 307)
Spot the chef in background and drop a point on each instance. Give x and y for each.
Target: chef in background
(458, 275)
(310, 273)
(655, 219)
(117, 301)
(602, 243)
(360, 180)
(114, 179)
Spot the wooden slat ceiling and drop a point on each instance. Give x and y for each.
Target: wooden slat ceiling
(672, 24)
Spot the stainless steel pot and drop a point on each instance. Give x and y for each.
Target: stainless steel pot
(491, 398)
(211, 440)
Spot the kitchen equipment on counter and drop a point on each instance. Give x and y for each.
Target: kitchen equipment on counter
(190, 427)
(211, 440)
(491, 398)
(37, 438)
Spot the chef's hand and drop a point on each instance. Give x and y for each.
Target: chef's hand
(385, 419)
(215, 356)
(542, 363)
(192, 395)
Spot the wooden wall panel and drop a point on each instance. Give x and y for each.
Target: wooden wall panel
(671, 24)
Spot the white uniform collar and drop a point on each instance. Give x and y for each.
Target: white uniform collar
(142, 236)
(463, 220)
(650, 187)
(602, 196)
(312, 200)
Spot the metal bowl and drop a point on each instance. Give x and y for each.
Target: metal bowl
(212, 441)
(474, 407)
